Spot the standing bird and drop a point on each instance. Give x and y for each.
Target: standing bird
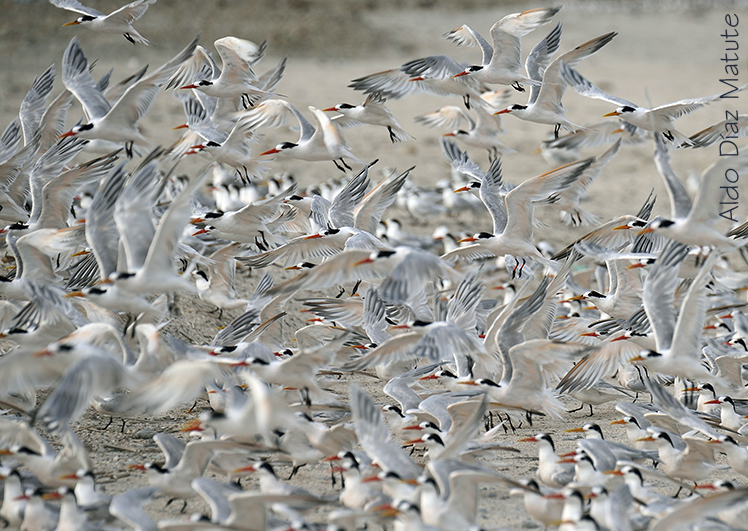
(119, 21)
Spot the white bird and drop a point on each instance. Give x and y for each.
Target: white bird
(235, 80)
(119, 21)
(544, 105)
(370, 112)
(501, 63)
(118, 122)
(323, 142)
(516, 238)
(658, 119)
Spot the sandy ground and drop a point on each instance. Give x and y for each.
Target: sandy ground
(664, 52)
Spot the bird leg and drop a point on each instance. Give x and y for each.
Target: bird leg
(393, 138)
(516, 86)
(332, 476)
(294, 471)
(521, 268)
(555, 131)
(466, 100)
(528, 416)
(111, 419)
(305, 398)
(129, 38)
(355, 287)
(580, 408)
(342, 160)
(128, 148)
(668, 135)
(591, 414)
(338, 166)
(342, 291)
(245, 177)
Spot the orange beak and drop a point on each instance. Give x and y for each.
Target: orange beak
(502, 112)
(470, 239)
(464, 188)
(464, 73)
(69, 133)
(73, 23)
(193, 86)
(330, 109)
(269, 152)
(614, 113)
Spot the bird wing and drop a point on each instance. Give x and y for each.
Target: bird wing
(237, 56)
(506, 35)
(713, 188)
(374, 437)
(659, 293)
(449, 117)
(680, 202)
(714, 133)
(519, 202)
(138, 98)
(585, 88)
(77, 79)
(57, 195)
(77, 7)
(368, 213)
(131, 12)
(171, 447)
(539, 59)
(553, 87)
(466, 36)
(34, 103)
(344, 203)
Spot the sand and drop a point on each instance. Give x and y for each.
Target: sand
(664, 52)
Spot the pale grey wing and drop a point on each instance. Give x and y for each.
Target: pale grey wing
(235, 332)
(133, 214)
(553, 87)
(91, 376)
(690, 325)
(713, 187)
(601, 362)
(344, 203)
(466, 36)
(10, 140)
(415, 269)
(320, 211)
(737, 126)
(374, 437)
(680, 108)
(519, 202)
(115, 92)
(171, 447)
(368, 213)
(459, 160)
(78, 80)
(468, 252)
(680, 202)
(448, 342)
(399, 389)
(34, 103)
(659, 292)
(490, 193)
(606, 132)
(53, 120)
(399, 347)
(216, 494)
(449, 117)
(58, 194)
(197, 67)
(462, 307)
(48, 167)
(667, 402)
(585, 88)
(128, 507)
(683, 516)
(463, 430)
(138, 98)
(199, 121)
(131, 12)
(392, 84)
(77, 7)
(375, 313)
(237, 56)
(432, 67)
(270, 79)
(510, 333)
(539, 59)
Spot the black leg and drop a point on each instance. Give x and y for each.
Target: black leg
(345, 165)
(338, 166)
(393, 139)
(555, 131)
(128, 149)
(129, 38)
(466, 100)
(111, 419)
(516, 86)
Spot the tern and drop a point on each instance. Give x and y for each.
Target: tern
(501, 62)
(544, 105)
(118, 122)
(119, 21)
(323, 142)
(370, 112)
(659, 119)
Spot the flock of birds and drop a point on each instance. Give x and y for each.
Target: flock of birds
(466, 338)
